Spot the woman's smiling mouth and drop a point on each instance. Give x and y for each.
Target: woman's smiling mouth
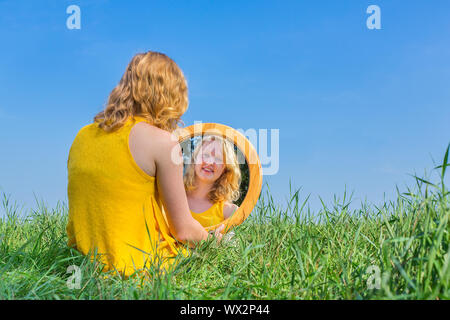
(208, 170)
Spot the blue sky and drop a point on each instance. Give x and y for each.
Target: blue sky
(356, 108)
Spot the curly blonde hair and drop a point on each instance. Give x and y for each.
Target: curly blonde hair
(226, 187)
(152, 87)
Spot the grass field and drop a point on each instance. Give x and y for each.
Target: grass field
(399, 250)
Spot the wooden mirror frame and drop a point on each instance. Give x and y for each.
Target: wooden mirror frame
(253, 162)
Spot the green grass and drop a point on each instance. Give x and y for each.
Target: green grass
(399, 250)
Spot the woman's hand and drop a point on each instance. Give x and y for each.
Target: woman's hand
(217, 233)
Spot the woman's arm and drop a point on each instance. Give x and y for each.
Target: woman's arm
(229, 209)
(169, 177)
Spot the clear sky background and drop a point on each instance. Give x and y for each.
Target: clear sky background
(356, 108)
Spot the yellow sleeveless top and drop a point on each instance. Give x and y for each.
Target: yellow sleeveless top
(210, 217)
(114, 207)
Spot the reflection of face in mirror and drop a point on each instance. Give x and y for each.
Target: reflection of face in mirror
(213, 178)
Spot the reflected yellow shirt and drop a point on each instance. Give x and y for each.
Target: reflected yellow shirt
(210, 217)
(114, 207)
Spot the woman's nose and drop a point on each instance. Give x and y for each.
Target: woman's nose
(206, 159)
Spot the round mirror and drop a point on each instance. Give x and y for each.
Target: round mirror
(222, 174)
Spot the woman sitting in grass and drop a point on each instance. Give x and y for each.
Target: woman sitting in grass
(121, 171)
(212, 180)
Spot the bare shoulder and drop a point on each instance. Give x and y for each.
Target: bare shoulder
(228, 209)
(147, 129)
(153, 136)
(150, 145)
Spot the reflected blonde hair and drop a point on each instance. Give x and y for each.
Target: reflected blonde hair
(226, 187)
(152, 87)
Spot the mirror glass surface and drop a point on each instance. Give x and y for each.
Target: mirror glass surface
(216, 166)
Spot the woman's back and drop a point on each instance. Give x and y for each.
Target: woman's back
(114, 205)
